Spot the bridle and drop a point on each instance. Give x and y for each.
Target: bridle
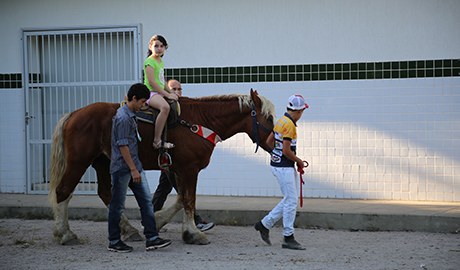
(255, 128)
(256, 125)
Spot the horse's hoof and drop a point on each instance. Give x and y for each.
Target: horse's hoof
(69, 239)
(195, 238)
(133, 237)
(203, 242)
(71, 242)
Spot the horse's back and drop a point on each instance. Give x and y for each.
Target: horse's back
(94, 114)
(88, 129)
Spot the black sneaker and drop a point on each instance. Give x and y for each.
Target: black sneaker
(290, 243)
(120, 247)
(157, 243)
(264, 232)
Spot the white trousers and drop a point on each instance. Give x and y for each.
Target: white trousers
(287, 207)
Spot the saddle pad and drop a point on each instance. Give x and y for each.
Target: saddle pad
(149, 115)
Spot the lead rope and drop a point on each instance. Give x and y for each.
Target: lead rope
(301, 172)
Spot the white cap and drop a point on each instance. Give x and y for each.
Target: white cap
(297, 103)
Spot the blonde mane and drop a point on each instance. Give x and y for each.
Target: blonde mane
(267, 110)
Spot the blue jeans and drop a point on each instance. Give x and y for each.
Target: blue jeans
(120, 182)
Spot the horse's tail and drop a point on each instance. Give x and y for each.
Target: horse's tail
(58, 160)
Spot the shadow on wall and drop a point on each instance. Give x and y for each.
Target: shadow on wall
(367, 139)
(347, 161)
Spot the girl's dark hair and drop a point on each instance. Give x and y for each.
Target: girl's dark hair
(160, 39)
(139, 90)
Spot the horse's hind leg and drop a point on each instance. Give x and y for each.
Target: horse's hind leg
(62, 233)
(102, 167)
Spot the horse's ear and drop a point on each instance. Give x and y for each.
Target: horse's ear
(255, 97)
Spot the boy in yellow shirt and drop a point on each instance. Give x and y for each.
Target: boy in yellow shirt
(283, 158)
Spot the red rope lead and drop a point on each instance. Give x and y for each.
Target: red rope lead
(301, 172)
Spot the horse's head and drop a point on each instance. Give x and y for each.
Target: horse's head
(262, 113)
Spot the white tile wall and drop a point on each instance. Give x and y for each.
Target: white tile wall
(12, 141)
(376, 139)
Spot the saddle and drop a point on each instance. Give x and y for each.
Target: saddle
(149, 115)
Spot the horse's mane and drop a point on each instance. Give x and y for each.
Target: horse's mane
(267, 110)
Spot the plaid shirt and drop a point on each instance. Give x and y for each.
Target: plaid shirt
(124, 132)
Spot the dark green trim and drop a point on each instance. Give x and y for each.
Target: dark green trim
(292, 73)
(318, 72)
(14, 80)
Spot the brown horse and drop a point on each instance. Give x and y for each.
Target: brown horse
(82, 139)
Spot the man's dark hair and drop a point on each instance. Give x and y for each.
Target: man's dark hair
(139, 90)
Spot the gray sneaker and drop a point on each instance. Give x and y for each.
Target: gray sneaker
(205, 226)
(290, 243)
(264, 232)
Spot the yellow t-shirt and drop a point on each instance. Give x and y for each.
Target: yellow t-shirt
(285, 129)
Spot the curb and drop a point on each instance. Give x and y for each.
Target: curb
(308, 220)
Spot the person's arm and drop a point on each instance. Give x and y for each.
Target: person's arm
(287, 152)
(270, 140)
(124, 149)
(151, 78)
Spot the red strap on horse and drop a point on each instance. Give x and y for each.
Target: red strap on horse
(301, 172)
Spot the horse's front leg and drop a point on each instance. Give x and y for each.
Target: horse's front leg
(190, 233)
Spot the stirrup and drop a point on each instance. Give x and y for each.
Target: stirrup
(164, 161)
(162, 145)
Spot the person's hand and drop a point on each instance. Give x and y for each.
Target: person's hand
(300, 164)
(136, 176)
(172, 96)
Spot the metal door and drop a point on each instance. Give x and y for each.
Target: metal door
(65, 70)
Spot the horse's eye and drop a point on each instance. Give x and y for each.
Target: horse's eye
(270, 119)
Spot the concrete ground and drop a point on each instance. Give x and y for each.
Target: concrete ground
(28, 244)
(339, 214)
(337, 234)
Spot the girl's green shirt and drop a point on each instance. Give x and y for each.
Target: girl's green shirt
(159, 72)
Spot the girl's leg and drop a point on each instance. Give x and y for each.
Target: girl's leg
(159, 103)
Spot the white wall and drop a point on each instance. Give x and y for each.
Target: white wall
(12, 141)
(258, 32)
(374, 139)
(364, 139)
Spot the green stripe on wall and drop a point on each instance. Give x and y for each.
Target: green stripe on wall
(296, 73)
(318, 72)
